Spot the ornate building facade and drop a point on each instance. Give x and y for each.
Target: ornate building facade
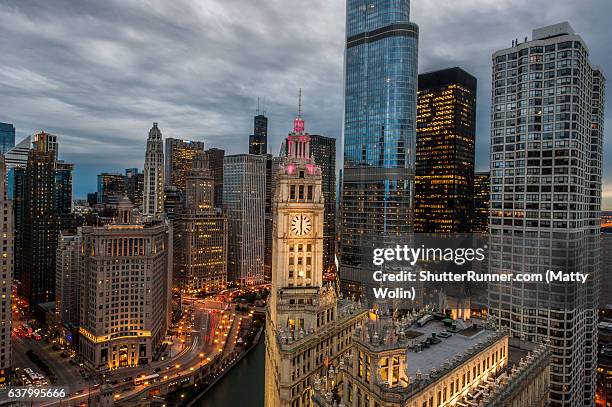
(308, 327)
(153, 196)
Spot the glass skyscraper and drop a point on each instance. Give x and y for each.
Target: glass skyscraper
(379, 130)
(7, 137)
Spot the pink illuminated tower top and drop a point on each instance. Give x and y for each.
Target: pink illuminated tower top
(298, 141)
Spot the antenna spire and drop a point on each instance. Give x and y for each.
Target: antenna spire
(258, 105)
(300, 102)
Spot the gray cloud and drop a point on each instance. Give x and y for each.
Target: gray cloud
(98, 73)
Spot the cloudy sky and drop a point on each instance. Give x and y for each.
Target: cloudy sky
(98, 73)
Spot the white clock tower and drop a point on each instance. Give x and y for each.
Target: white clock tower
(307, 326)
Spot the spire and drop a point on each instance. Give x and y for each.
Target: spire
(155, 133)
(298, 123)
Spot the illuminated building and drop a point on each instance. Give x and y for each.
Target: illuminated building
(397, 363)
(379, 132)
(153, 195)
(68, 275)
(43, 207)
(482, 189)
(446, 132)
(7, 137)
(200, 234)
(111, 188)
(244, 198)
(134, 186)
(125, 290)
(6, 272)
(179, 156)
(308, 328)
(215, 164)
(546, 154)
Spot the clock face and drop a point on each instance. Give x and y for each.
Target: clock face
(301, 225)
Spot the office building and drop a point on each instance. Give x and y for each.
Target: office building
(258, 141)
(323, 149)
(244, 196)
(379, 132)
(125, 291)
(179, 155)
(308, 327)
(43, 206)
(67, 278)
(446, 137)
(173, 201)
(215, 164)
(111, 188)
(482, 189)
(7, 137)
(398, 362)
(546, 138)
(6, 272)
(200, 235)
(153, 193)
(16, 157)
(134, 186)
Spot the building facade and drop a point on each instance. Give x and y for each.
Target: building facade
(308, 327)
(397, 363)
(482, 189)
(379, 131)
(134, 186)
(125, 291)
(68, 275)
(43, 203)
(179, 155)
(547, 130)
(258, 141)
(6, 272)
(244, 195)
(200, 235)
(7, 137)
(111, 188)
(446, 138)
(153, 195)
(323, 149)
(215, 164)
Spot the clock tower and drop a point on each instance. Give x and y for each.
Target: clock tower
(308, 326)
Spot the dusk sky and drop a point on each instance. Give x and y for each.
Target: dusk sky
(97, 74)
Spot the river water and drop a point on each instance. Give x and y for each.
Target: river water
(243, 385)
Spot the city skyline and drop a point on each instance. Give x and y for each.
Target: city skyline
(187, 100)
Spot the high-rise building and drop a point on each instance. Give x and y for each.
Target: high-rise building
(153, 195)
(379, 131)
(43, 200)
(16, 157)
(308, 328)
(124, 314)
(482, 190)
(446, 136)
(200, 234)
(134, 186)
(215, 164)
(546, 138)
(7, 137)
(67, 278)
(323, 149)
(6, 272)
(244, 196)
(179, 156)
(111, 188)
(258, 141)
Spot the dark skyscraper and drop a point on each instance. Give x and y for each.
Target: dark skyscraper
(482, 189)
(446, 133)
(134, 186)
(46, 199)
(258, 141)
(215, 164)
(7, 137)
(324, 151)
(379, 131)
